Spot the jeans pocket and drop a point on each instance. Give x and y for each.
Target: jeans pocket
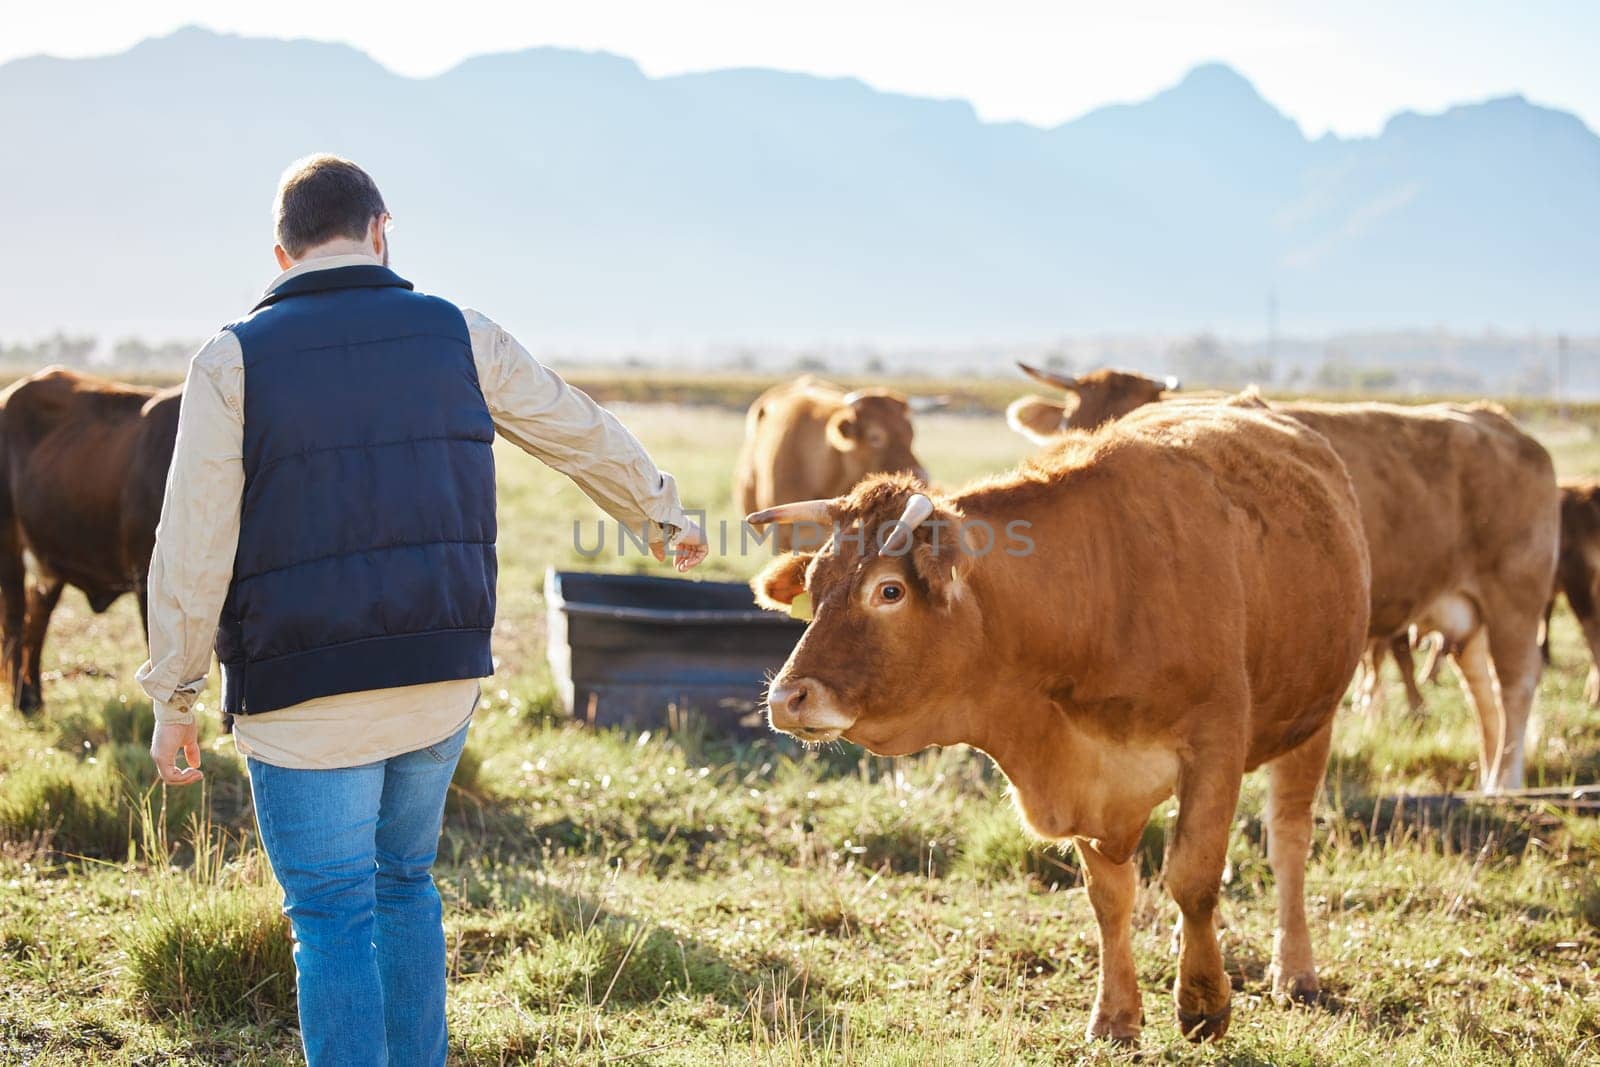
(448, 749)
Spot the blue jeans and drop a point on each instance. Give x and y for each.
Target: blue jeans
(353, 849)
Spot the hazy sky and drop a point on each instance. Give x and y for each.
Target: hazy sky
(1343, 66)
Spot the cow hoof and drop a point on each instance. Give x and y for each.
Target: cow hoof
(1302, 988)
(1203, 1027)
(29, 704)
(1116, 1028)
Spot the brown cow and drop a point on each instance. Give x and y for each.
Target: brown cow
(1578, 572)
(1462, 519)
(1102, 395)
(809, 438)
(1169, 602)
(85, 466)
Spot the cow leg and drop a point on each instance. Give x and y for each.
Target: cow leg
(14, 593)
(1477, 678)
(1295, 779)
(42, 601)
(1430, 666)
(1207, 797)
(1369, 695)
(1544, 629)
(1582, 587)
(1400, 648)
(1589, 623)
(1514, 648)
(1118, 1014)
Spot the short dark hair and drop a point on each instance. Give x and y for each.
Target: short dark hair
(323, 197)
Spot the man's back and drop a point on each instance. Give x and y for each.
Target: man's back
(366, 553)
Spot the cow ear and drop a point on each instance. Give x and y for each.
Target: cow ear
(943, 562)
(781, 581)
(1037, 418)
(842, 429)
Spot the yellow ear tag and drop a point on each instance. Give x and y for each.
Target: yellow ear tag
(800, 607)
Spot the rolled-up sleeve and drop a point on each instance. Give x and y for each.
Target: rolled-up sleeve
(535, 409)
(198, 535)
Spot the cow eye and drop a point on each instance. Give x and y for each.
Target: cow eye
(891, 591)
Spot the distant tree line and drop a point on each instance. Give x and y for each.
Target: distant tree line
(1400, 362)
(129, 353)
(1410, 363)
(58, 348)
(136, 353)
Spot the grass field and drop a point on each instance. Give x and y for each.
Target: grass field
(678, 899)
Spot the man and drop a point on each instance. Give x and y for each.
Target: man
(330, 520)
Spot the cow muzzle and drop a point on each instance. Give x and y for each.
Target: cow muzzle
(808, 710)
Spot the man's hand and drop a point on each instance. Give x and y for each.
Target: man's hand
(688, 548)
(169, 738)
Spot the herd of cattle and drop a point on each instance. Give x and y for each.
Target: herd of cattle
(1459, 507)
(1207, 573)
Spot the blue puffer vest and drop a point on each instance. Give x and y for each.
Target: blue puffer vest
(366, 544)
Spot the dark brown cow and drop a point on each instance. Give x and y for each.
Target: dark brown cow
(1462, 517)
(1578, 572)
(809, 438)
(1167, 603)
(85, 466)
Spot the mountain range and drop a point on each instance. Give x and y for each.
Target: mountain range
(577, 200)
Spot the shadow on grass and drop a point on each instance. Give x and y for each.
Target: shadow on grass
(1446, 823)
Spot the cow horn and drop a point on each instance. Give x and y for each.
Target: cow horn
(817, 511)
(1060, 381)
(1172, 383)
(918, 508)
(852, 398)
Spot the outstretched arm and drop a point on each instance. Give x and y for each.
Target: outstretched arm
(195, 544)
(534, 408)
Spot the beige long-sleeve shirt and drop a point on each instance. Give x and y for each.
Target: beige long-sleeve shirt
(199, 533)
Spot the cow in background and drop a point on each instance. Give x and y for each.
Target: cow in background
(1578, 573)
(1099, 396)
(84, 470)
(1187, 600)
(809, 438)
(1462, 517)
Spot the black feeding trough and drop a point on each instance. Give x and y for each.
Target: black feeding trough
(625, 649)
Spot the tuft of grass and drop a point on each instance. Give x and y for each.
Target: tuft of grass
(213, 956)
(77, 809)
(111, 804)
(995, 848)
(89, 725)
